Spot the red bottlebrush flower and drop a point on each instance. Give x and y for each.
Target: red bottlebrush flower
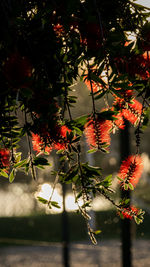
(120, 121)
(59, 30)
(57, 141)
(130, 212)
(63, 131)
(38, 144)
(130, 172)
(130, 108)
(98, 133)
(127, 95)
(61, 141)
(133, 112)
(4, 158)
(17, 69)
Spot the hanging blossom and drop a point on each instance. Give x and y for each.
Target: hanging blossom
(46, 143)
(120, 103)
(130, 172)
(59, 30)
(119, 122)
(129, 213)
(4, 158)
(97, 133)
(62, 141)
(38, 144)
(133, 112)
(130, 108)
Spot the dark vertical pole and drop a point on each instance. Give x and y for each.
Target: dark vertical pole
(126, 223)
(65, 221)
(65, 230)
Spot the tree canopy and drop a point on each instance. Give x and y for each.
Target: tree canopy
(45, 48)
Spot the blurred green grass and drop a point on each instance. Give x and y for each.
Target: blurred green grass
(48, 228)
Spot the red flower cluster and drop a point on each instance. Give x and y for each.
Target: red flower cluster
(130, 212)
(46, 143)
(58, 29)
(130, 171)
(98, 133)
(131, 111)
(4, 158)
(61, 141)
(38, 144)
(119, 121)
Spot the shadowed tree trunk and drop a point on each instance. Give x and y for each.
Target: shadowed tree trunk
(65, 231)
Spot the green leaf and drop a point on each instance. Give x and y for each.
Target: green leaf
(97, 232)
(3, 173)
(77, 130)
(138, 220)
(74, 149)
(91, 151)
(70, 174)
(18, 157)
(107, 181)
(81, 120)
(60, 151)
(127, 201)
(91, 171)
(12, 176)
(126, 186)
(76, 139)
(120, 179)
(92, 168)
(42, 200)
(107, 114)
(100, 94)
(131, 186)
(54, 204)
(121, 215)
(104, 150)
(27, 167)
(20, 164)
(40, 161)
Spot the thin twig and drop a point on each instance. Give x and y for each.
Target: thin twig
(30, 152)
